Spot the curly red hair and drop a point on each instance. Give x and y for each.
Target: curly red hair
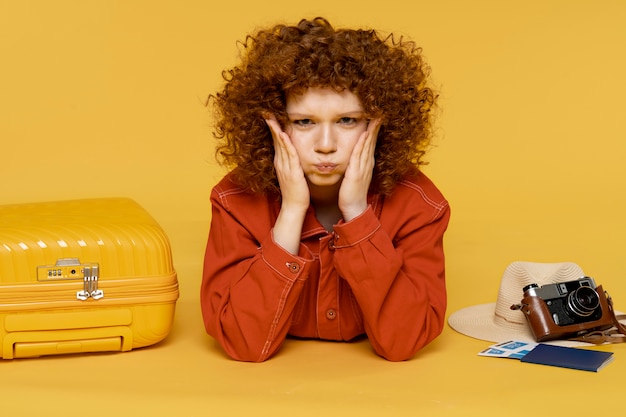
(389, 76)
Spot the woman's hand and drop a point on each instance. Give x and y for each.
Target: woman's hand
(358, 176)
(293, 185)
(294, 189)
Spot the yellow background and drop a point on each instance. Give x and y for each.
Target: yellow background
(105, 98)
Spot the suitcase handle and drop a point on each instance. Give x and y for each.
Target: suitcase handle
(58, 342)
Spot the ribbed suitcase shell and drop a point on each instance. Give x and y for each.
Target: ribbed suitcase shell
(50, 302)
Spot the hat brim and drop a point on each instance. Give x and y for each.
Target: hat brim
(478, 322)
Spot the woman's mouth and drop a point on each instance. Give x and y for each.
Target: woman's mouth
(325, 167)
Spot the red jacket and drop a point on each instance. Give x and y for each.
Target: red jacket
(381, 274)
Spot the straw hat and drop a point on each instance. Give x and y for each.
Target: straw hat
(496, 322)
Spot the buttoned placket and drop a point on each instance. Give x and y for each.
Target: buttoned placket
(327, 294)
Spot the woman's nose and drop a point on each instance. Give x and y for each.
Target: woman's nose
(326, 141)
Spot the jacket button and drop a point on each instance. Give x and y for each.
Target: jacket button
(331, 314)
(294, 267)
(331, 245)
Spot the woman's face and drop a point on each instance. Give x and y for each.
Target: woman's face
(324, 125)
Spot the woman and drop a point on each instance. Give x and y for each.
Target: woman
(325, 227)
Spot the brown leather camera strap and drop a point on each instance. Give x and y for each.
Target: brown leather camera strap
(615, 334)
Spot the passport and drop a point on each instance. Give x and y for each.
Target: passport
(568, 357)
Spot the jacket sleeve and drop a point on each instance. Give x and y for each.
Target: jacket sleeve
(398, 283)
(250, 286)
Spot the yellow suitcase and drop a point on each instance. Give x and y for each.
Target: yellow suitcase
(79, 276)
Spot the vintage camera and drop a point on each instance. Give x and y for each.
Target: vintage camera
(565, 309)
(569, 302)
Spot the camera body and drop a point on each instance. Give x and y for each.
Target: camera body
(565, 309)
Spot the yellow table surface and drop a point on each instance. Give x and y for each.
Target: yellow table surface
(188, 375)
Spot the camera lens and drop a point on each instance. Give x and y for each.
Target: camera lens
(529, 286)
(583, 301)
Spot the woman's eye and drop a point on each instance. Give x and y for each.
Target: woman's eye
(347, 120)
(303, 122)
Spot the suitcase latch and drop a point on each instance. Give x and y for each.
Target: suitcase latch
(73, 269)
(90, 284)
